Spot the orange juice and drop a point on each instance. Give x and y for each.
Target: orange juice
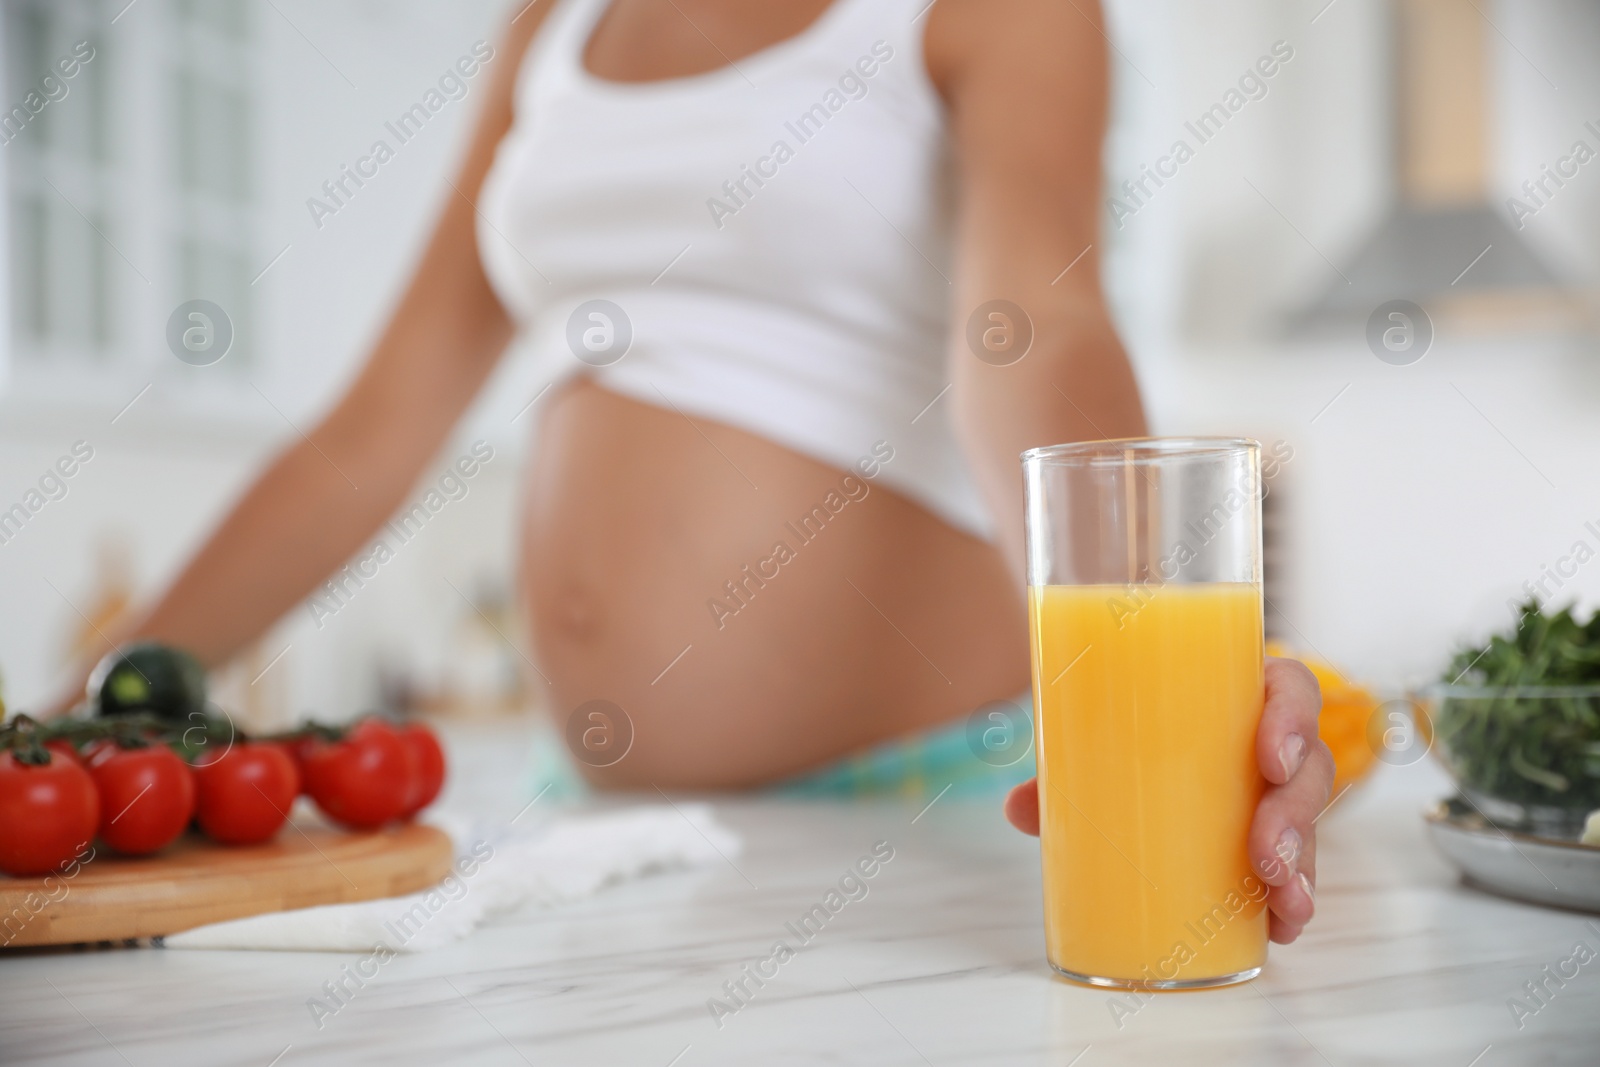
(1146, 702)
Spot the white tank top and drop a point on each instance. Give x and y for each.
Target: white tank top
(769, 243)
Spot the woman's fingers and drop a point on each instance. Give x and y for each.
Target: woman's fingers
(1288, 728)
(1022, 807)
(1299, 770)
(1283, 844)
(1291, 905)
(1281, 930)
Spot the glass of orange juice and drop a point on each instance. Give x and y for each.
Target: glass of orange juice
(1144, 604)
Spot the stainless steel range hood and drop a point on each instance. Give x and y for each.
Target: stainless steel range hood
(1444, 244)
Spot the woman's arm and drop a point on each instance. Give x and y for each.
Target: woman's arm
(1025, 81)
(1026, 86)
(328, 491)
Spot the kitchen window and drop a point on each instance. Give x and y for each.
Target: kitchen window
(63, 222)
(130, 180)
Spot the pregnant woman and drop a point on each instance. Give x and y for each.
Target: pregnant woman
(757, 249)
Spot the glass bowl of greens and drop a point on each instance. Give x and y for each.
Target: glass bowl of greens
(1517, 723)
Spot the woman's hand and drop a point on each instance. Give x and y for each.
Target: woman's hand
(1299, 771)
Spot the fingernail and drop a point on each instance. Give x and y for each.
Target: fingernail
(1306, 888)
(1278, 869)
(1291, 754)
(1288, 847)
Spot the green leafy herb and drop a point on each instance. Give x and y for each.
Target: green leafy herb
(1521, 746)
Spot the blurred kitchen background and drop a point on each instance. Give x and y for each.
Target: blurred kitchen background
(1413, 498)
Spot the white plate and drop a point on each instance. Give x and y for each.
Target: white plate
(1537, 869)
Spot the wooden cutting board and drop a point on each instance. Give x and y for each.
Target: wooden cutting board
(195, 881)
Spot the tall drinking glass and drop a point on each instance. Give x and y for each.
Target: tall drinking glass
(1144, 604)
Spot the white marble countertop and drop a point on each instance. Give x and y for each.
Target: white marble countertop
(941, 963)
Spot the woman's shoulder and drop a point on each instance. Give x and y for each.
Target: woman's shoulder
(1038, 41)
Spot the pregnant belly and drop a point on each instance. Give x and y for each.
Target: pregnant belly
(652, 578)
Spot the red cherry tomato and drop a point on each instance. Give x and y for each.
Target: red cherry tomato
(146, 797)
(428, 758)
(48, 813)
(298, 750)
(364, 780)
(243, 796)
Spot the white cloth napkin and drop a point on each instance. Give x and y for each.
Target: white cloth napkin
(499, 868)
